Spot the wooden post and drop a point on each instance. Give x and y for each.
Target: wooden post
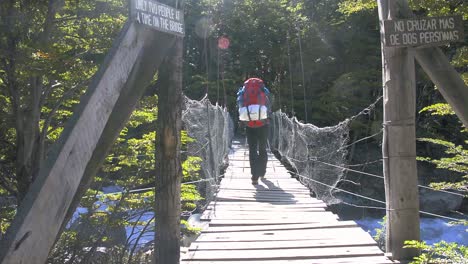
(168, 166)
(399, 141)
(102, 112)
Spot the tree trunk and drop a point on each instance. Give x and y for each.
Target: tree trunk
(28, 138)
(26, 95)
(168, 166)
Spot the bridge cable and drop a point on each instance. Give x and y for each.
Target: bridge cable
(371, 199)
(290, 73)
(217, 75)
(302, 71)
(370, 174)
(205, 47)
(382, 177)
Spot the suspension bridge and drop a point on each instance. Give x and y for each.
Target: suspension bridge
(276, 221)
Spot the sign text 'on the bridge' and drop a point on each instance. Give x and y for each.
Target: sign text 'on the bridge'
(423, 31)
(158, 16)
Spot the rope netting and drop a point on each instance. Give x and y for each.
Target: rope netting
(298, 145)
(212, 129)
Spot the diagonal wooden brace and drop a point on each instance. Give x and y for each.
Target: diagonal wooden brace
(446, 78)
(103, 111)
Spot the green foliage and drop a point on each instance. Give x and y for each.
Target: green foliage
(48, 54)
(441, 252)
(440, 8)
(191, 168)
(188, 230)
(456, 161)
(439, 109)
(266, 35)
(349, 7)
(6, 216)
(380, 233)
(430, 7)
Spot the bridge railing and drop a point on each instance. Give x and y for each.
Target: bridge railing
(298, 145)
(212, 129)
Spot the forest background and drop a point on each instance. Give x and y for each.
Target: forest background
(320, 59)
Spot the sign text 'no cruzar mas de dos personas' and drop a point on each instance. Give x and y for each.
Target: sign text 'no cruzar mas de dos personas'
(426, 31)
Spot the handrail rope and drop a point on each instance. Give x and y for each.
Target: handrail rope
(351, 144)
(373, 175)
(183, 151)
(365, 164)
(348, 169)
(151, 188)
(382, 177)
(366, 110)
(336, 188)
(382, 208)
(364, 206)
(371, 199)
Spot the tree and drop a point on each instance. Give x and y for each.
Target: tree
(47, 60)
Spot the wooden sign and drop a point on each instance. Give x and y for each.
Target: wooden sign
(158, 16)
(429, 31)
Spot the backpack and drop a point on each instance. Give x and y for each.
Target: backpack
(253, 102)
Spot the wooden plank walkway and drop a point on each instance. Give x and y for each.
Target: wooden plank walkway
(275, 222)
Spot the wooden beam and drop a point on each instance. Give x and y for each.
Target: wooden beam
(446, 78)
(399, 141)
(128, 68)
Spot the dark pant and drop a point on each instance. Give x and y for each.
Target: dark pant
(257, 139)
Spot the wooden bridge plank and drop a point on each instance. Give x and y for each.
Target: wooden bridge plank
(354, 260)
(267, 183)
(264, 195)
(246, 222)
(309, 208)
(285, 254)
(210, 214)
(276, 245)
(260, 227)
(263, 192)
(262, 199)
(308, 202)
(262, 210)
(222, 214)
(265, 206)
(318, 234)
(250, 188)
